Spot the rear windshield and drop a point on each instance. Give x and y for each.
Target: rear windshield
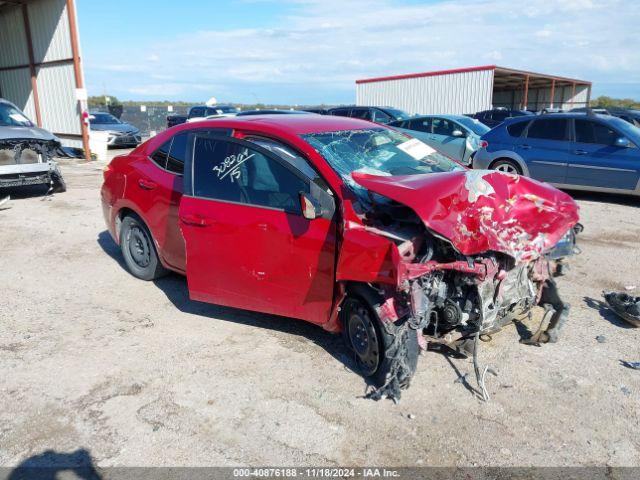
(397, 114)
(103, 119)
(12, 117)
(377, 151)
(474, 125)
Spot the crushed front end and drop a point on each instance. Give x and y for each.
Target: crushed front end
(472, 252)
(30, 162)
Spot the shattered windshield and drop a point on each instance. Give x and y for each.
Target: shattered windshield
(377, 151)
(12, 117)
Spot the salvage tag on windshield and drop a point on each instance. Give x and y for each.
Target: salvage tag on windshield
(416, 148)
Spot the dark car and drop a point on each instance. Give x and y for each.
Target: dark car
(200, 112)
(121, 134)
(631, 116)
(248, 113)
(351, 226)
(318, 110)
(496, 116)
(382, 115)
(570, 150)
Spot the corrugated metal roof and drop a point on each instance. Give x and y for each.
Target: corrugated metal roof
(497, 69)
(58, 104)
(15, 86)
(50, 30)
(13, 40)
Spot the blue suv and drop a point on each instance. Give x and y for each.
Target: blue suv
(575, 151)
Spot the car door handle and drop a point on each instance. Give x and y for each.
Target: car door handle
(146, 184)
(195, 220)
(525, 147)
(580, 152)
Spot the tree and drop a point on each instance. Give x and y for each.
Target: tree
(608, 102)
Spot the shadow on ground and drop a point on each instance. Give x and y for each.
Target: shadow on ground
(605, 312)
(174, 286)
(627, 200)
(27, 191)
(48, 464)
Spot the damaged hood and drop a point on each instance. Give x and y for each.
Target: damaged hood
(482, 210)
(25, 133)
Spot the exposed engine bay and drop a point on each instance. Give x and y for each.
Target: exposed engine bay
(450, 300)
(30, 162)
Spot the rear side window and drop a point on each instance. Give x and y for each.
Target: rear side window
(381, 117)
(177, 153)
(196, 112)
(159, 157)
(516, 129)
(499, 115)
(423, 125)
(548, 129)
(595, 132)
(232, 172)
(443, 127)
(341, 112)
(362, 113)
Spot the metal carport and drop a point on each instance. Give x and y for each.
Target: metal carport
(40, 68)
(472, 89)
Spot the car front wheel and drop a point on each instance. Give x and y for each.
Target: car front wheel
(138, 249)
(385, 353)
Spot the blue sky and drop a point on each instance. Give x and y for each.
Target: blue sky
(312, 51)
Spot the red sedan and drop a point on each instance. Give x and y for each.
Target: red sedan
(340, 222)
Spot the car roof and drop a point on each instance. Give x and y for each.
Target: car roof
(445, 116)
(292, 124)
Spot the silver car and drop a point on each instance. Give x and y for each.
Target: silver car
(121, 134)
(457, 136)
(26, 151)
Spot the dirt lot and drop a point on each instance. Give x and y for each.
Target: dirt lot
(137, 374)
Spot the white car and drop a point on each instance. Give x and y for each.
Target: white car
(26, 151)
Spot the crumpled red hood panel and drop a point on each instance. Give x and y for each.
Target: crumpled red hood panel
(481, 210)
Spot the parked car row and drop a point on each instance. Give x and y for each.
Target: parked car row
(582, 150)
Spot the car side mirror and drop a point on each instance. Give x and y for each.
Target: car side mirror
(458, 133)
(310, 209)
(622, 142)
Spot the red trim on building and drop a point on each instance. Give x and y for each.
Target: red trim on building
(472, 69)
(428, 74)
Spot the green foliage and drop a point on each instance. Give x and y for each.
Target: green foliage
(608, 102)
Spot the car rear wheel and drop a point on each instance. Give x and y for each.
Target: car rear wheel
(139, 250)
(506, 166)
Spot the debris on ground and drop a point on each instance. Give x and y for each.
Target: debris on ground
(633, 365)
(601, 339)
(625, 306)
(4, 203)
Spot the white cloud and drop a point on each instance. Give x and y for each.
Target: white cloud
(325, 45)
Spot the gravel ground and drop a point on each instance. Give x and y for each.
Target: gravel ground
(137, 374)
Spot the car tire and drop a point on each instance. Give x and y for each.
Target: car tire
(58, 185)
(506, 166)
(138, 249)
(372, 343)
